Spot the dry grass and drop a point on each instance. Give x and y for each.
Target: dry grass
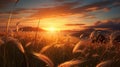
(52, 50)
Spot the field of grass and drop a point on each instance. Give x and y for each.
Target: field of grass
(56, 49)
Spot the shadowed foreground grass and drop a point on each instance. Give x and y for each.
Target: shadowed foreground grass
(58, 49)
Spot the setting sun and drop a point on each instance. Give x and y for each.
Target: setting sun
(52, 29)
(53, 24)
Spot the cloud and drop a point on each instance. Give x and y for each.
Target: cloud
(17, 12)
(66, 0)
(5, 3)
(107, 24)
(94, 6)
(23, 10)
(60, 0)
(106, 9)
(67, 9)
(74, 24)
(62, 10)
(116, 3)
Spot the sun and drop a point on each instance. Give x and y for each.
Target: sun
(52, 29)
(53, 24)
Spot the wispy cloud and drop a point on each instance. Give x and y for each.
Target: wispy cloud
(61, 10)
(68, 9)
(74, 24)
(60, 0)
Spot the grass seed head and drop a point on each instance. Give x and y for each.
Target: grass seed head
(44, 58)
(71, 63)
(105, 64)
(115, 38)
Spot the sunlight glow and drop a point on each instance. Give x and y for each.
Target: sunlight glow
(52, 29)
(53, 24)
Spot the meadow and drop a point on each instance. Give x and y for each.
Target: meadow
(58, 49)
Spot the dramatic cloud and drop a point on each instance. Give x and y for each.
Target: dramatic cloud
(69, 9)
(109, 24)
(66, 9)
(94, 6)
(61, 10)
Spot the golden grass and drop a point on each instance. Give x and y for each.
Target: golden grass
(61, 50)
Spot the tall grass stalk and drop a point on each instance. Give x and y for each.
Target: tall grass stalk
(36, 33)
(10, 16)
(17, 28)
(18, 22)
(7, 29)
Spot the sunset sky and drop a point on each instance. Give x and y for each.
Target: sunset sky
(62, 14)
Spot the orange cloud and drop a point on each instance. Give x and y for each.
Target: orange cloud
(74, 24)
(61, 10)
(67, 9)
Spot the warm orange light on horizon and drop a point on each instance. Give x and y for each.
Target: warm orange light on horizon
(52, 29)
(53, 24)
